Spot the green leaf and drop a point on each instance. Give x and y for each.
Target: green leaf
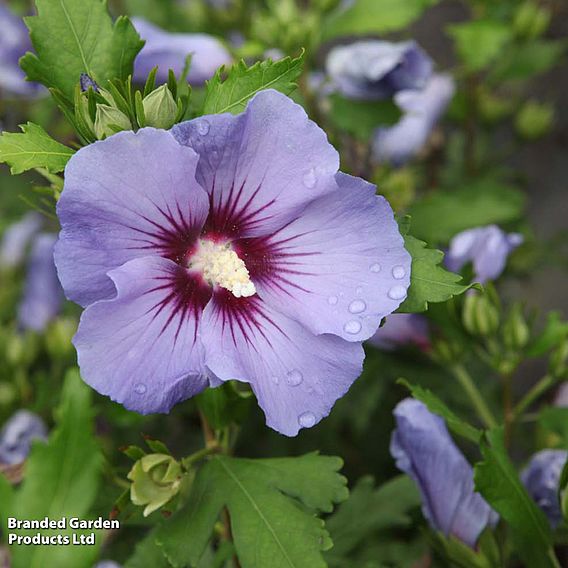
(440, 216)
(61, 480)
(147, 554)
(554, 332)
(497, 480)
(271, 504)
(429, 282)
(555, 419)
(224, 404)
(71, 37)
(361, 118)
(435, 405)
(528, 60)
(33, 148)
(479, 42)
(369, 510)
(374, 16)
(242, 83)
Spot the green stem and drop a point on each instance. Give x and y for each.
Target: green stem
(553, 558)
(190, 460)
(474, 396)
(536, 392)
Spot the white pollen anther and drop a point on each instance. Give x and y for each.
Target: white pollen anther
(221, 266)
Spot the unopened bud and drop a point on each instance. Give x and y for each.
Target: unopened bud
(480, 316)
(160, 108)
(530, 20)
(516, 332)
(534, 120)
(558, 359)
(109, 120)
(156, 479)
(86, 82)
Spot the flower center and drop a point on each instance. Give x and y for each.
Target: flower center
(221, 266)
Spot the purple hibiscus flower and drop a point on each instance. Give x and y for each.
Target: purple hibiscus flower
(17, 238)
(424, 449)
(374, 69)
(14, 43)
(170, 50)
(487, 248)
(402, 329)
(17, 434)
(541, 477)
(226, 249)
(422, 111)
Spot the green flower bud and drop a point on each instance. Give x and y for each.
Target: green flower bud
(534, 120)
(530, 20)
(156, 479)
(558, 360)
(492, 108)
(480, 316)
(21, 350)
(109, 120)
(516, 332)
(160, 108)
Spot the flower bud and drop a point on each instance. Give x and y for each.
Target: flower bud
(534, 120)
(558, 360)
(530, 20)
(108, 120)
(516, 332)
(160, 108)
(155, 480)
(492, 108)
(86, 83)
(480, 316)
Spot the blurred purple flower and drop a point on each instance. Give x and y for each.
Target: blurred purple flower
(43, 295)
(422, 111)
(424, 449)
(228, 253)
(561, 396)
(17, 238)
(374, 69)
(541, 477)
(169, 51)
(486, 247)
(14, 43)
(107, 564)
(402, 329)
(17, 434)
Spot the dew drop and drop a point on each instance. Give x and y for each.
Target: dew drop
(375, 267)
(307, 419)
(398, 272)
(357, 306)
(332, 300)
(140, 388)
(275, 380)
(397, 292)
(294, 378)
(352, 327)
(203, 127)
(310, 179)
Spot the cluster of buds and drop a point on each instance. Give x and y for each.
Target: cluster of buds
(101, 112)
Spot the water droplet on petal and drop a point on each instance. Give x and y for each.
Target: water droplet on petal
(310, 179)
(140, 388)
(275, 380)
(352, 327)
(375, 267)
(397, 292)
(359, 291)
(357, 306)
(307, 419)
(398, 272)
(203, 127)
(294, 378)
(332, 300)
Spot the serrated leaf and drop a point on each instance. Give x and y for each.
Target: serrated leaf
(61, 480)
(270, 503)
(429, 282)
(147, 554)
(440, 216)
(368, 510)
(364, 17)
(435, 405)
(497, 480)
(33, 148)
(71, 37)
(362, 118)
(242, 83)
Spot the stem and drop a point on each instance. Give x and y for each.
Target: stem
(190, 460)
(474, 396)
(507, 407)
(536, 392)
(553, 558)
